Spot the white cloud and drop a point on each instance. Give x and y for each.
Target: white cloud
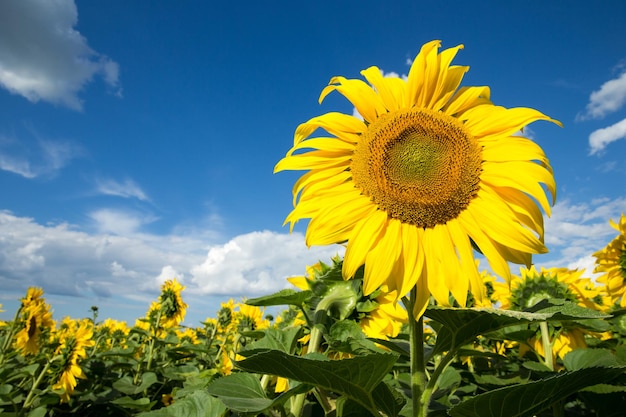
(576, 231)
(42, 56)
(119, 222)
(608, 99)
(256, 263)
(599, 139)
(127, 270)
(36, 157)
(126, 189)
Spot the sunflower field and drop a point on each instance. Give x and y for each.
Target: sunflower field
(434, 191)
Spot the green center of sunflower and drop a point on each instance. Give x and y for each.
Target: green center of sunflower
(422, 167)
(539, 287)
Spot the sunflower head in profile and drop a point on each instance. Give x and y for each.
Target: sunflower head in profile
(73, 337)
(36, 321)
(428, 172)
(611, 262)
(532, 286)
(173, 309)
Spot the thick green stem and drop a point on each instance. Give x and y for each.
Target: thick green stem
(31, 394)
(547, 345)
(418, 366)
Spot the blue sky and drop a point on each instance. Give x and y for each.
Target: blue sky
(138, 139)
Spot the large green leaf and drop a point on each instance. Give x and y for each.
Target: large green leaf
(282, 297)
(589, 358)
(355, 377)
(243, 392)
(197, 404)
(527, 399)
(134, 404)
(462, 325)
(283, 340)
(125, 384)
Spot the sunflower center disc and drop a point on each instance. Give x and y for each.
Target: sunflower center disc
(420, 166)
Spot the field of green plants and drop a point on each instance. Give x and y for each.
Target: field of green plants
(332, 351)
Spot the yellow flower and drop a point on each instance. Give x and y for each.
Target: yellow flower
(73, 337)
(564, 342)
(173, 309)
(612, 261)
(250, 318)
(114, 332)
(386, 319)
(533, 286)
(188, 335)
(430, 171)
(36, 318)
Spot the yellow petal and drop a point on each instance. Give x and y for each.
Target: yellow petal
(364, 236)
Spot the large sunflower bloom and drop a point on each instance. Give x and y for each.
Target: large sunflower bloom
(430, 171)
(74, 337)
(612, 261)
(172, 305)
(533, 286)
(36, 317)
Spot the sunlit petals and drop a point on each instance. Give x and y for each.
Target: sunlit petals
(466, 98)
(525, 176)
(488, 120)
(380, 261)
(365, 235)
(391, 97)
(365, 100)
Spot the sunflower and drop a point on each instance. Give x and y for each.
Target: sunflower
(386, 319)
(532, 286)
(249, 318)
(173, 309)
(36, 319)
(612, 262)
(431, 171)
(73, 337)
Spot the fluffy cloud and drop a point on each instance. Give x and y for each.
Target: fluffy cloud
(126, 189)
(42, 56)
(599, 139)
(608, 99)
(66, 261)
(33, 156)
(256, 263)
(575, 231)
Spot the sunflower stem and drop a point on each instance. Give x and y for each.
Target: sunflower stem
(418, 366)
(547, 345)
(30, 398)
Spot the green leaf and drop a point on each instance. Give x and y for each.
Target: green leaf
(126, 385)
(462, 325)
(241, 392)
(589, 358)
(283, 340)
(282, 297)
(529, 398)
(355, 377)
(388, 400)
(138, 404)
(38, 412)
(197, 404)
(563, 310)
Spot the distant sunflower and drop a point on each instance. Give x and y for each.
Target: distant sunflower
(532, 286)
(386, 319)
(173, 309)
(429, 173)
(73, 337)
(36, 319)
(612, 262)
